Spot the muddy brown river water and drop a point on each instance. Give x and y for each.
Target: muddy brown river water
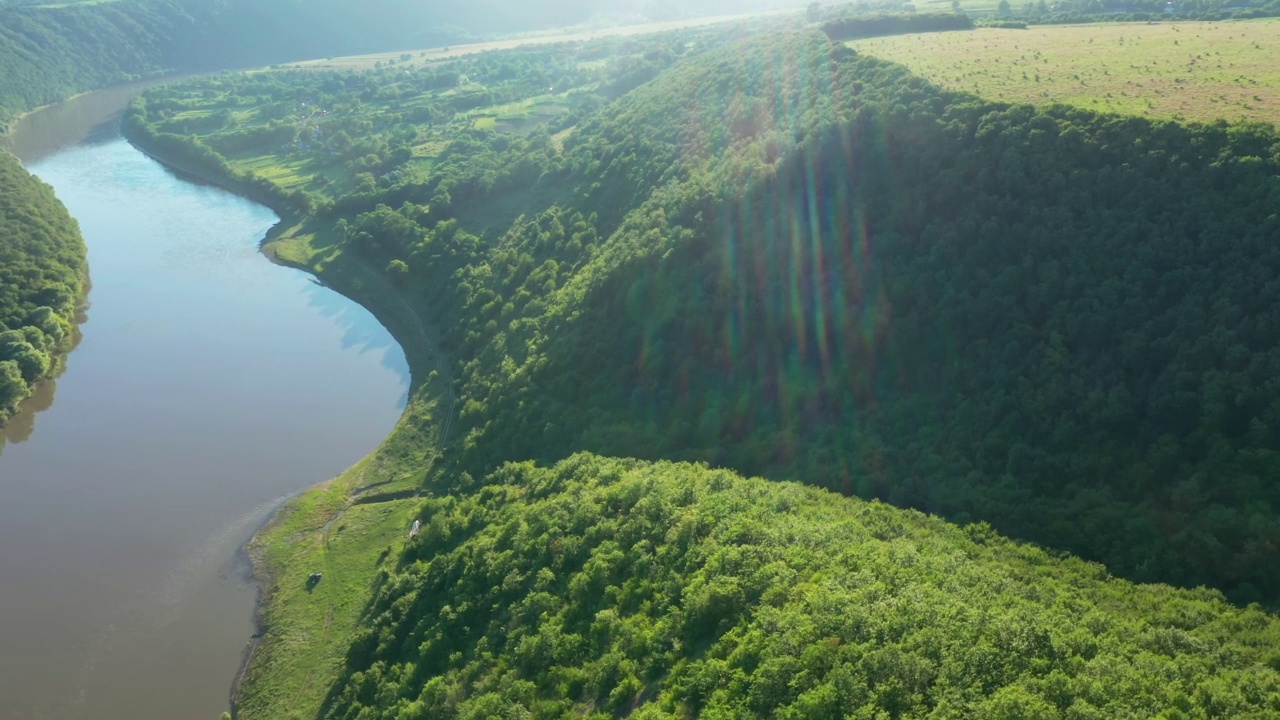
(209, 384)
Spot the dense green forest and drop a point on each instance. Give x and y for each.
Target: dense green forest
(603, 588)
(772, 254)
(41, 281)
(791, 260)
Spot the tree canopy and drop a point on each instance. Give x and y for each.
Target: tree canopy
(774, 255)
(797, 261)
(599, 588)
(42, 270)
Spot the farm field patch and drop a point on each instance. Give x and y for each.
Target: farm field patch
(1201, 71)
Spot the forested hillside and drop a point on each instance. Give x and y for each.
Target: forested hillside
(605, 588)
(50, 52)
(41, 281)
(992, 313)
(789, 259)
(776, 255)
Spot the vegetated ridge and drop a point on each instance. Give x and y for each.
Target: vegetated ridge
(42, 273)
(784, 257)
(605, 588)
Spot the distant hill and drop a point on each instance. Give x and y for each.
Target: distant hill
(49, 51)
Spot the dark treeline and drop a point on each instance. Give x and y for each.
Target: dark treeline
(41, 277)
(1271, 9)
(895, 24)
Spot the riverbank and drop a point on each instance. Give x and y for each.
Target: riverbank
(332, 527)
(340, 528)
(202, 394)
(43, 270)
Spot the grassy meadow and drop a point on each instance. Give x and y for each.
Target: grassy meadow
(1199, 71)
(322, 531)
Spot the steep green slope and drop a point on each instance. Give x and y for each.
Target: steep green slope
(41, 275)
(1052, 320)
(48, 54)
(602, 588)
(782, 257)
(793, 260)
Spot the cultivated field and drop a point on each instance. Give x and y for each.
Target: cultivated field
(1187, 71)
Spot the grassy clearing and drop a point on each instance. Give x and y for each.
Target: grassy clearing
(522, 116)
(287, 173)
(308, 628)
(1186, 71)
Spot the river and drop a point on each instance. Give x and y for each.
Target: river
(208, 385)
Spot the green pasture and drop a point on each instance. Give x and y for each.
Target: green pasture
(308, 628)
(1200, 71)
(521, 116)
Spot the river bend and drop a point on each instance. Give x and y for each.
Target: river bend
(208, 385)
